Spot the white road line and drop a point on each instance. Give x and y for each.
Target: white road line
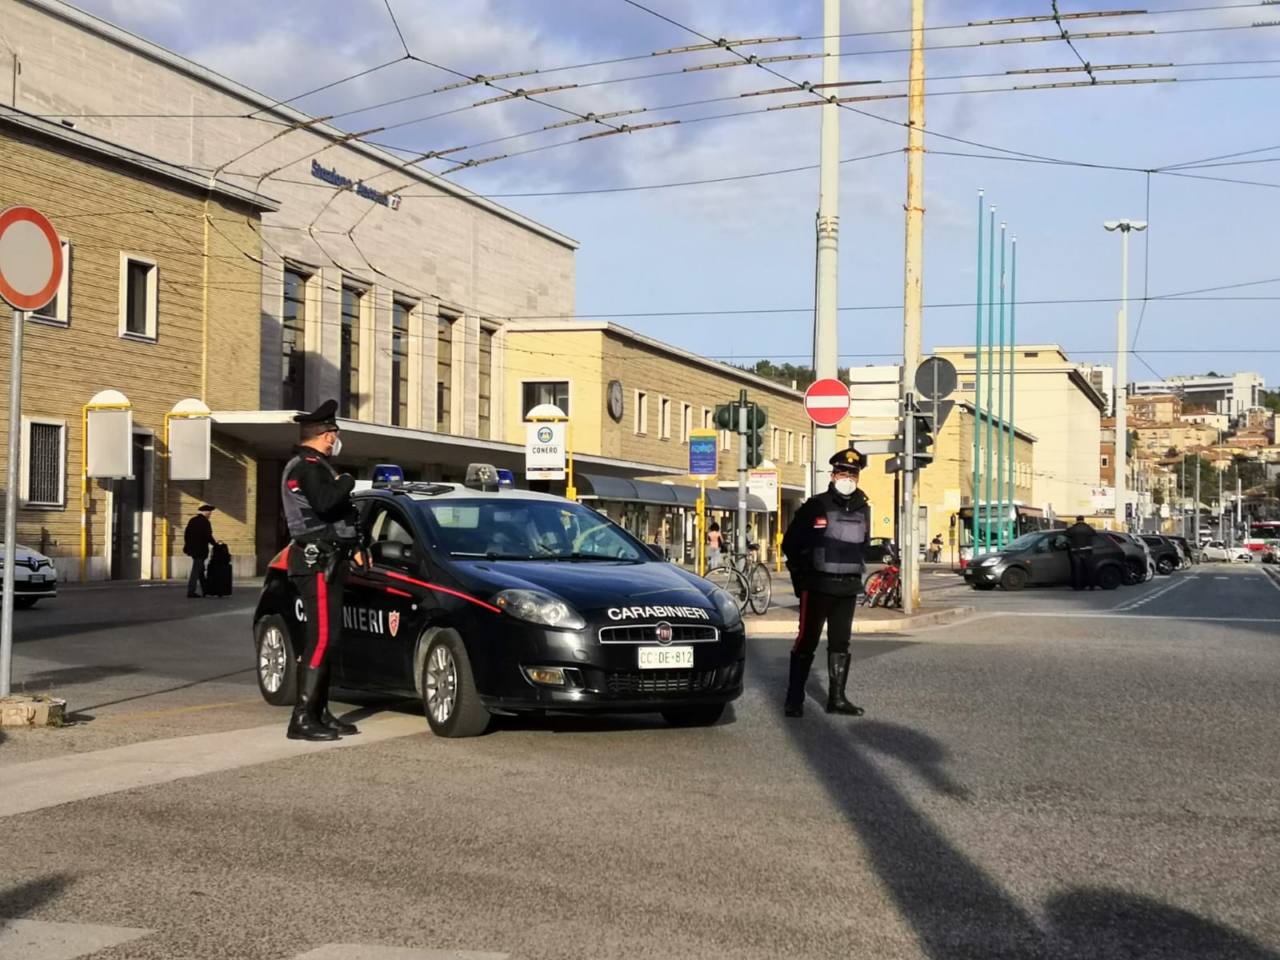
(39, 784)
(1120, 615)
(1270, 578)
(1155, 595)
(42, 940)
(357, 951)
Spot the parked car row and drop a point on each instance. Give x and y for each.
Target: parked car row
(1217, 550)
(1043, 558)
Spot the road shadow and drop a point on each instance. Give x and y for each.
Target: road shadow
(46, 679)
(958, 910)
(80, 712)
(25, 898)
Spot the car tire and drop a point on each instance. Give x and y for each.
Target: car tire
(1109, 577)
(1164, 566)
(449, 696)
(25, 603)
(1134, 574)
(702, 715)
(1015, 578)
(277, 661)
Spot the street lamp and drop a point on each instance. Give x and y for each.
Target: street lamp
(1122, 356)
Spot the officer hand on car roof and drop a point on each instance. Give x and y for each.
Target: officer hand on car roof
(825, 545)
(322, 525)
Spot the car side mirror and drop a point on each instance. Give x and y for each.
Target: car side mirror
(387, 551)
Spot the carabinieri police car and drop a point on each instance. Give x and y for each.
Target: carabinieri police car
(482, 599)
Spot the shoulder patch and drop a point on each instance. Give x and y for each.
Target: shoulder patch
(311, 459)
(819, 523)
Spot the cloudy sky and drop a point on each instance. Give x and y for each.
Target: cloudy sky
(747, 244)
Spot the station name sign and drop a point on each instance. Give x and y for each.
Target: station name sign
(361, 189)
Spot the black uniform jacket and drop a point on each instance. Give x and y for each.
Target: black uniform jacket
(803, 536)
(1081, 536)
(328, 493)
(198, 537)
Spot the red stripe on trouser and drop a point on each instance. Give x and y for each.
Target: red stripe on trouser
(322, 621)
(804, 608)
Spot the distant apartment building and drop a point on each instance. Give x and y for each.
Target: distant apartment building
(1156, 439)
(1102, 377)
(1160, 407)
(1229, 394)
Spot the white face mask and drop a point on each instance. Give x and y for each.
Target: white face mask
(337, 447)
(845, 486)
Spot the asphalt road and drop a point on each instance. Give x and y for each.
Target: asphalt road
(1064, 775)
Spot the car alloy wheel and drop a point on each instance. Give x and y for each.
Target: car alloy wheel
(272, 658)
(277, 663)
(441, 684)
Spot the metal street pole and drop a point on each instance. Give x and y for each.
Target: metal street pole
(977, 393)
(825, 329)
(742, 473)
(1013, 353)
(1122, 359)
(913, 300)
(991, 336)
(1000, 407)
(11, 501)
(1196, 516)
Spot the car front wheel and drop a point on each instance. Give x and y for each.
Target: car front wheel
(449, 694)
(1164, 566)
(1015, 578)
(277, 662)
(1109, 578)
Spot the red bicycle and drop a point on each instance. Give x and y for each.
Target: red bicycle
(884, 587)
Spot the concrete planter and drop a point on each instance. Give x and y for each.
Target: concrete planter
(38, 711)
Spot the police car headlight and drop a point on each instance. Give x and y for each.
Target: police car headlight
(540, 608)
(727, 607)
(988, 561)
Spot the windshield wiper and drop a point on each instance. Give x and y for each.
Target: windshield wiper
(494, 555)
(591, 558)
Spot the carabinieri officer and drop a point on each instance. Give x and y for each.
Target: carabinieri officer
(824, 545)
(322, 525)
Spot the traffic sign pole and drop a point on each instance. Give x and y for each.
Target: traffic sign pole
(11, 501)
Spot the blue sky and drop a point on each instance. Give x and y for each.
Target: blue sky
(748, 244)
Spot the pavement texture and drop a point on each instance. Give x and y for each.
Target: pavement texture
(1063, 775)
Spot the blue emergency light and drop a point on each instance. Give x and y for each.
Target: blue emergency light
(387, 475)
(506, 478)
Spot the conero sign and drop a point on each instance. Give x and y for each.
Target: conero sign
(544, 451)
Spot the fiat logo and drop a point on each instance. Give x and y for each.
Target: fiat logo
(664, 632)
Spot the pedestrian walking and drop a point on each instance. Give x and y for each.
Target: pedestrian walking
(825, 545)
(197, 540)
(1080, 537)
(324, 537)
(715, 541)
(935, 548)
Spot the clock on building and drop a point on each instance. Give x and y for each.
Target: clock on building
(614, 399)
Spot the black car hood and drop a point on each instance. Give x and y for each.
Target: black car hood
(590, 586)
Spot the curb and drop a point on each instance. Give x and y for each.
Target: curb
(780, 627)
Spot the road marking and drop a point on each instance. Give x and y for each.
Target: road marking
(1140, 601)
(39, 784)
(1222, 578)
(1121, 615)
(1271, 578)
(31, 939)
(357, 951)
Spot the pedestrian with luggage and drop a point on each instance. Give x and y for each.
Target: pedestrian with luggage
(197, 540)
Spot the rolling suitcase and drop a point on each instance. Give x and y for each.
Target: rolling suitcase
(218, 574)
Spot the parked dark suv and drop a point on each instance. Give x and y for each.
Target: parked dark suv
(1164, 552)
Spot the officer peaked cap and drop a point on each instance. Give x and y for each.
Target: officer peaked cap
(325, 414)
(850, 459)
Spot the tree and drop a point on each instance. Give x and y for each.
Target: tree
(1157, 496)
(788, 373)
(1271, 400)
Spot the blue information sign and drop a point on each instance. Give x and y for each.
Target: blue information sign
(702, 453)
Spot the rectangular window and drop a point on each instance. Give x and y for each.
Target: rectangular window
(58, 310)
(664, 418)
(444, 373)
(485, 398)
(1106, 460)
(534, 393)
(967, 385)
(139, 292)
(1031, 353)
(45, 457)
(773, 444)
(400, 363)
(804, 448)
(706, 419)
(686, 422)
(791, 447)
(642, 413)
(349, 355)
(293, 317)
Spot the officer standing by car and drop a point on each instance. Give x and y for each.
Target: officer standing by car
(825, 546)
(1080, 536)
(324, 536)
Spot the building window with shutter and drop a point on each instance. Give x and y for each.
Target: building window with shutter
(349, 355)
(293, 360)
(686, 422)
(58, 310)
(139, 297)
(484, 402)
(533, 393)
(400, 312)
(642, 413)
(45, 458)
(664, 419)
(444, 372)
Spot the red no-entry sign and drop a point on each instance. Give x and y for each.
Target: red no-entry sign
(30, 259)
(827, 402)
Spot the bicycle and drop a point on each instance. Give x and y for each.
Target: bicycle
(884, 587)
(731, 581)
(759, 579)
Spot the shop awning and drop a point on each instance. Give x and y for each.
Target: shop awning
(617, 489)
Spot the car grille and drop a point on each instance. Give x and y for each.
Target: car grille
(648, 633)
(659, 681)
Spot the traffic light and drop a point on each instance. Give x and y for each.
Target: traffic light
(757, 417)
(727, 416)
(921, 434)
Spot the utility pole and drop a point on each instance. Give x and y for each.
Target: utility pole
(913, 301)
(1122, 360)
(743, 412)
(1196, 521)
(825, 330)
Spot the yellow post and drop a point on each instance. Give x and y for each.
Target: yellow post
(777, 543)
(570, 491)
(701, 527)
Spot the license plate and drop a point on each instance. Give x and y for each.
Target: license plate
(37, 578)
(665, 658)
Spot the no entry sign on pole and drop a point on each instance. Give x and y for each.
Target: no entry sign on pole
(827, 402)
(30, 259)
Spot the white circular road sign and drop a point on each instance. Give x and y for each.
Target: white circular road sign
(30, 259)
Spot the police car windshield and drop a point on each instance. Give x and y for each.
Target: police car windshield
(511, 529)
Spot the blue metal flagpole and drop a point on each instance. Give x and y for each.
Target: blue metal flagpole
(1013, 353)
(977, 393)
(991, 335)
(1000, 511)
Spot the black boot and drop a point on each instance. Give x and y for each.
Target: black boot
(800, 663)
(305, 723)
(327, 719)
(837, 677)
